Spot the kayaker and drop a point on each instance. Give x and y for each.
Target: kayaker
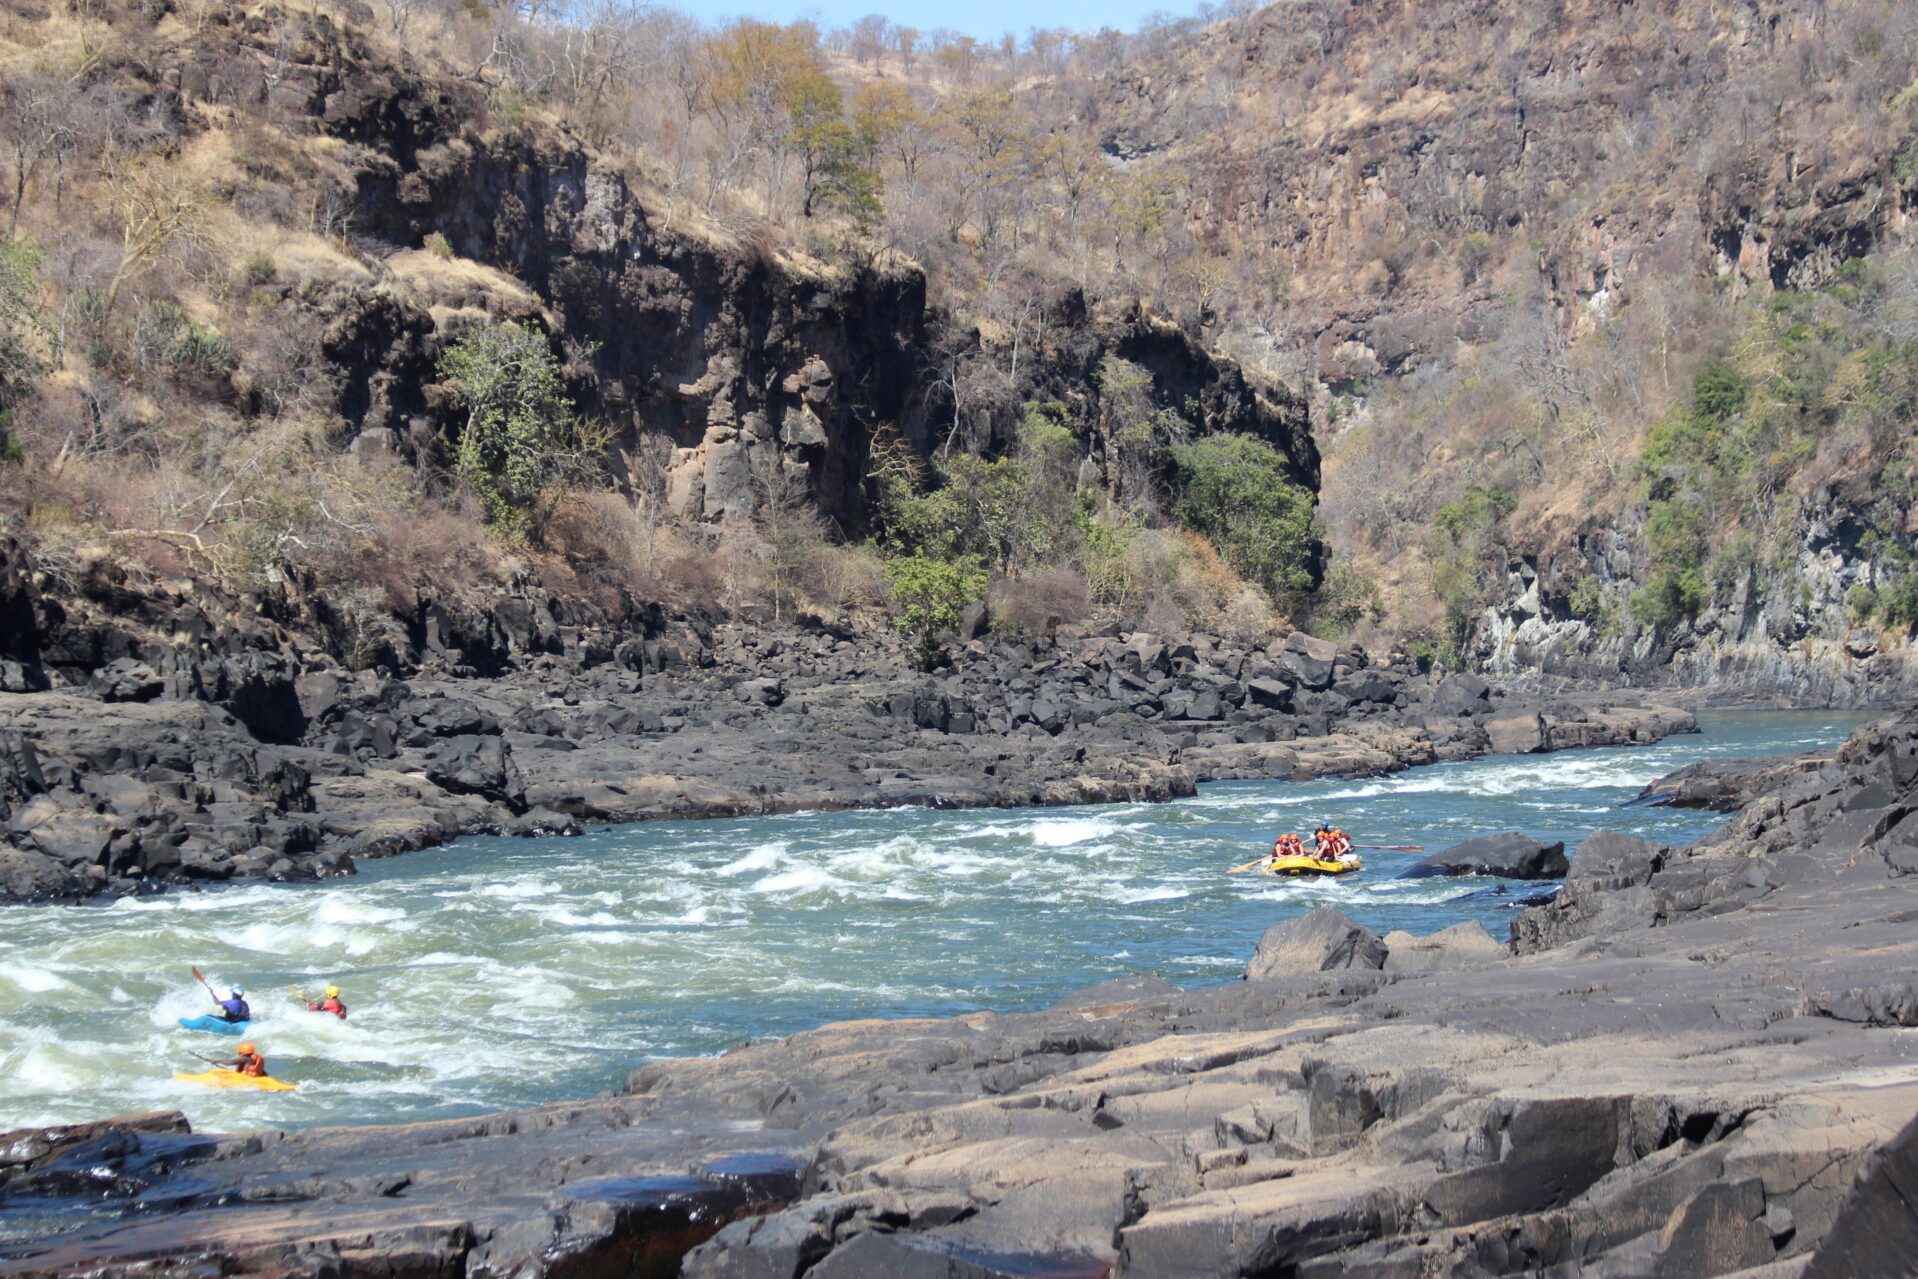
(246, 1060)
(330, 1004)
(234, 1007)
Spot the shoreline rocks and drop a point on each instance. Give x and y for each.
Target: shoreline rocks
(1727, 785)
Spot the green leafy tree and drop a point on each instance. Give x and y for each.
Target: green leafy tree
(521, 445)
(1235, 490)
(931, 594)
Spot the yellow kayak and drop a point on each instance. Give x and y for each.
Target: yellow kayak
(1306, 864)
(223, 1078)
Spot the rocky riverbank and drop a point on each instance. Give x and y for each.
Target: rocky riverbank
(154, 768)
(1694, 1064)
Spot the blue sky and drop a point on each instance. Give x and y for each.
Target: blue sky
(986, 19)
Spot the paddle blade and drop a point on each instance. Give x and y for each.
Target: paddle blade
(197, 974)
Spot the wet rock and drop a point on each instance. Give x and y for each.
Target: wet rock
(1513, 855)
(1727, 785)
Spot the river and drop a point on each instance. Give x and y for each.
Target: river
(495, 973)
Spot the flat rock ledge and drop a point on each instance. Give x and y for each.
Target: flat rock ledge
(1692, 1062)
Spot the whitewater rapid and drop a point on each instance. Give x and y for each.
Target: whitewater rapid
(496, 972)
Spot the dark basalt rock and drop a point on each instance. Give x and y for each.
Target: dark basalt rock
(1727, 785)
(1513, 855)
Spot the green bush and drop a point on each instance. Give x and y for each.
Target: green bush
(1474, 518)
(1590, 602)
(930, 595)
(521, 446)
(1234, 490)
(1898, 603)
(437, 244)
(1670, 596)
(1719, 392)
(260, 269)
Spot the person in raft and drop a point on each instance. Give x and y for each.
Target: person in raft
(1332, 844)
(1287, 845)
(246, 1060)
(234, 1007)
(330, 1004)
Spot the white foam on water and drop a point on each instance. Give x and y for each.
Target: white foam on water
(805, 879)
(523, 887)
(1134, 896)
(33, 980)
(1063, 832)
(764, 857)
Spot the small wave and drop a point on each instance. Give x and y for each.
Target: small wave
(1063, 832)
(764, 857)
(805, 879)
(1134, 896)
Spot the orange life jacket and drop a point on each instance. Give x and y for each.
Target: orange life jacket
(254, 1065)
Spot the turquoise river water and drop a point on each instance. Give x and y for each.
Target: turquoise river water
(499, 972)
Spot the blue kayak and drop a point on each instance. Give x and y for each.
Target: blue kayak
(218, 1025)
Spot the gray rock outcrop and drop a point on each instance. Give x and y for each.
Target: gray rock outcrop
(1513, 855)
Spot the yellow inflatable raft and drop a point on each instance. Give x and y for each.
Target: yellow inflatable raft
(1306, 864)
(222, 1078)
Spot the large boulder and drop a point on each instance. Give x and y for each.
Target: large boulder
(1512, 855)
(1315, 943)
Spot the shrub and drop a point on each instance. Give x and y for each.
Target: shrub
(1670, 596)
(521, 447)
(1719, 392)
(260, 269)
(929, 595)
(1346, 598)
(1590, 602)
(1473, 252)
(1033, 605)
(1235, 490)
(437, 244)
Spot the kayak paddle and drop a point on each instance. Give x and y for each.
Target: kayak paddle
(201, 978)
(295, 992)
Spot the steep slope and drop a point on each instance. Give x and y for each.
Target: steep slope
(1500, 242)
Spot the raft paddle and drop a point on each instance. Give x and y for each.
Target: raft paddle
(1392, 848)
(1240, 870)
